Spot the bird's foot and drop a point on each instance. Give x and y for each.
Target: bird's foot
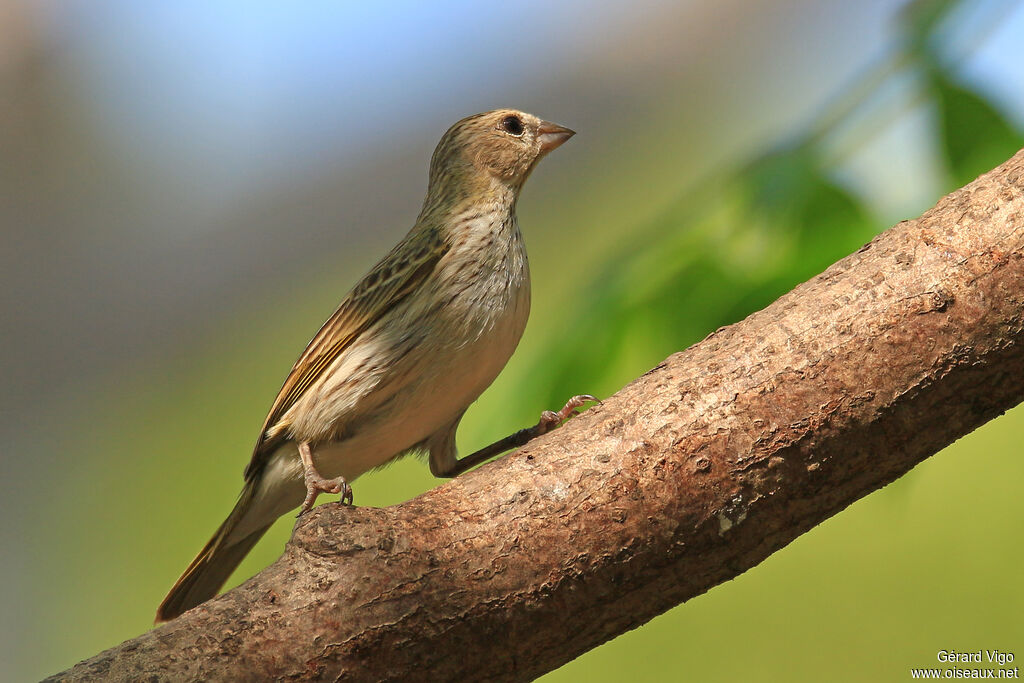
(550, 419)
(316, 484)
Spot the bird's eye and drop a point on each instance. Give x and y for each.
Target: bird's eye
(512, 125)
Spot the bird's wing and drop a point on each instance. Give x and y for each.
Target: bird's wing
(399, 274)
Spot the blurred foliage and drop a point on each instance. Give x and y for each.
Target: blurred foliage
(741, 239)
(974, 135)
(723, 251)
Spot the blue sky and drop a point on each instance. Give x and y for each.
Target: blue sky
(229, 88)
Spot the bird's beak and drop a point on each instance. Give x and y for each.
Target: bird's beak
(551, 135)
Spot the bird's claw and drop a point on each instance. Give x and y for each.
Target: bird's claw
(550, 419)
(316, 484)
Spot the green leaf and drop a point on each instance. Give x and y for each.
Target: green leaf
(723, 250)
(974, 135)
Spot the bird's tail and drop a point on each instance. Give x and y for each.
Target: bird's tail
(214, 563)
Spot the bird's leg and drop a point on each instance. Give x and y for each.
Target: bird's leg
(548, 420)
(317, 484)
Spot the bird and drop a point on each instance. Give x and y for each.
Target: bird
(409, 348)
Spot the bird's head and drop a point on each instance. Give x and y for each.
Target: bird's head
(498, 147)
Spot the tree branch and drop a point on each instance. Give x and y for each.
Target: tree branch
(688, 476)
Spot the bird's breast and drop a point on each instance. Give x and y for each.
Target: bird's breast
(484, 284)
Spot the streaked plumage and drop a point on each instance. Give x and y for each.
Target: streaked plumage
(414, 343)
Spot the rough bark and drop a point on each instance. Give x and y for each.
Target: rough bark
(690, 475)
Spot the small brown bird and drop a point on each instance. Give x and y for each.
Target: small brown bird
(414, 343)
